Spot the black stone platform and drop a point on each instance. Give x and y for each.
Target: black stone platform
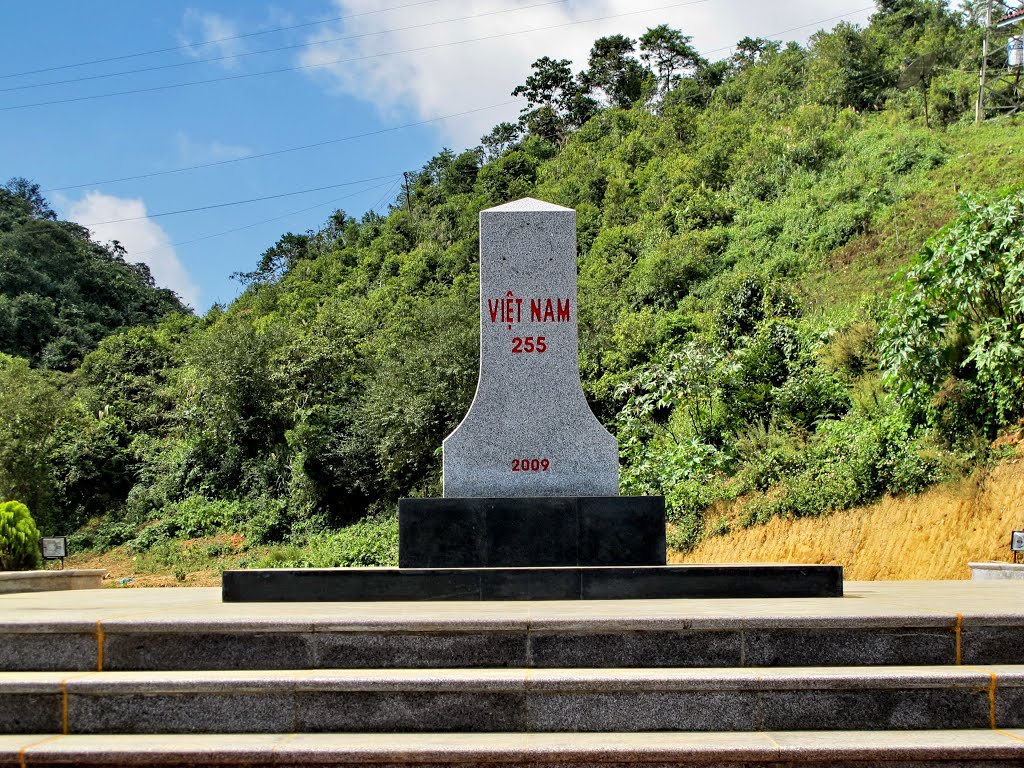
(531, 532)
(576, 583)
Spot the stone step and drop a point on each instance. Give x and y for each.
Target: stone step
(876, 623)
(211, 646)
(513, 700)
(838, 749)
(358, 643)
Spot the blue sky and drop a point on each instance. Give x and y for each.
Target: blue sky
(356, 67)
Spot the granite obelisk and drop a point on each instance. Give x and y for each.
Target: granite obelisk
(529, 431)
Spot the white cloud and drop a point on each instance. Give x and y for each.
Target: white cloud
(144, 239)
(206, 34)
(442, 80)
(193, 152)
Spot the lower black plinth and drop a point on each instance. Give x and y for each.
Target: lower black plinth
(546, 531)
(611, 583)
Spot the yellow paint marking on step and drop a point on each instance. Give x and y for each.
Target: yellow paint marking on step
(64, 699)
(1005, 733)
(22, 760)
(992, 701)
(64, 706)
(991, 695)
(99, 645)
(959, 644)
(278, 744)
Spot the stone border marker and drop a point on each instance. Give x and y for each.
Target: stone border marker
(531, 507)
(529, 431)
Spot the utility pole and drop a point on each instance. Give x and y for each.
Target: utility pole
(408, 200)
(979, 112)
(999, 88)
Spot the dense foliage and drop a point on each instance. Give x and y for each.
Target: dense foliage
(60, 292)
(954, 342)
(737, 223)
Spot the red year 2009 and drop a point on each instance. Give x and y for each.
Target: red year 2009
(530, 465)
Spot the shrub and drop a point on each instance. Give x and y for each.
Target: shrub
(852, 352)
(850, 462)
(953, 413)
(19, 538)
(769, 454)
(262, 520)
(960, 314)
(372, 541)
(811, 396)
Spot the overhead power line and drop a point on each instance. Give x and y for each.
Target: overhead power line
(303, 67)
(286, 150)
(794, 29)
(389, 53)
(243, 202)
(390, 129)
(215, 41)
(332, 201)
(393, 176)
(397, 178)
(279, 49)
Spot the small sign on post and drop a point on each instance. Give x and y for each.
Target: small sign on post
(55, 548)
(1017, 544)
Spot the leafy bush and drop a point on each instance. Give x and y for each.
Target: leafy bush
(19, 538)
(372, 541)
(769, 454)
(953, 413)
(848, 463)
(687, 475)
(261, 520)
(960, 314)
(811, 396)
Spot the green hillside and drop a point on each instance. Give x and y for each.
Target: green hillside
(739, 226)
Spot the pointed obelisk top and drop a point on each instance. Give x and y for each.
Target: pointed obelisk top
(526, 205)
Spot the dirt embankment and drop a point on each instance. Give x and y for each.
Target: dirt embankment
(930, 536)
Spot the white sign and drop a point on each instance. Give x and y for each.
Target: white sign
(1017, 542)
(55, 547)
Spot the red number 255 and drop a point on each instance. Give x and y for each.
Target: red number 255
(529, 344)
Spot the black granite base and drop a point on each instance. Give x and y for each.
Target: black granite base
(622, 583)
(531, 532)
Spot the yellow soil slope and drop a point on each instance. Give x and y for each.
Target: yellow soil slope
(930, 536)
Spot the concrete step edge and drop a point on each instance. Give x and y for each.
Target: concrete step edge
(566, 748)
(554, 680)
(144, 623)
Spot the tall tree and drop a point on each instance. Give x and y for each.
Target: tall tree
(30, 192)
(288, 251)
(750, 50)
(846, 69)
(669, 52)
(557, 101)
(500, 139)
(61, 292)
(614, 70)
